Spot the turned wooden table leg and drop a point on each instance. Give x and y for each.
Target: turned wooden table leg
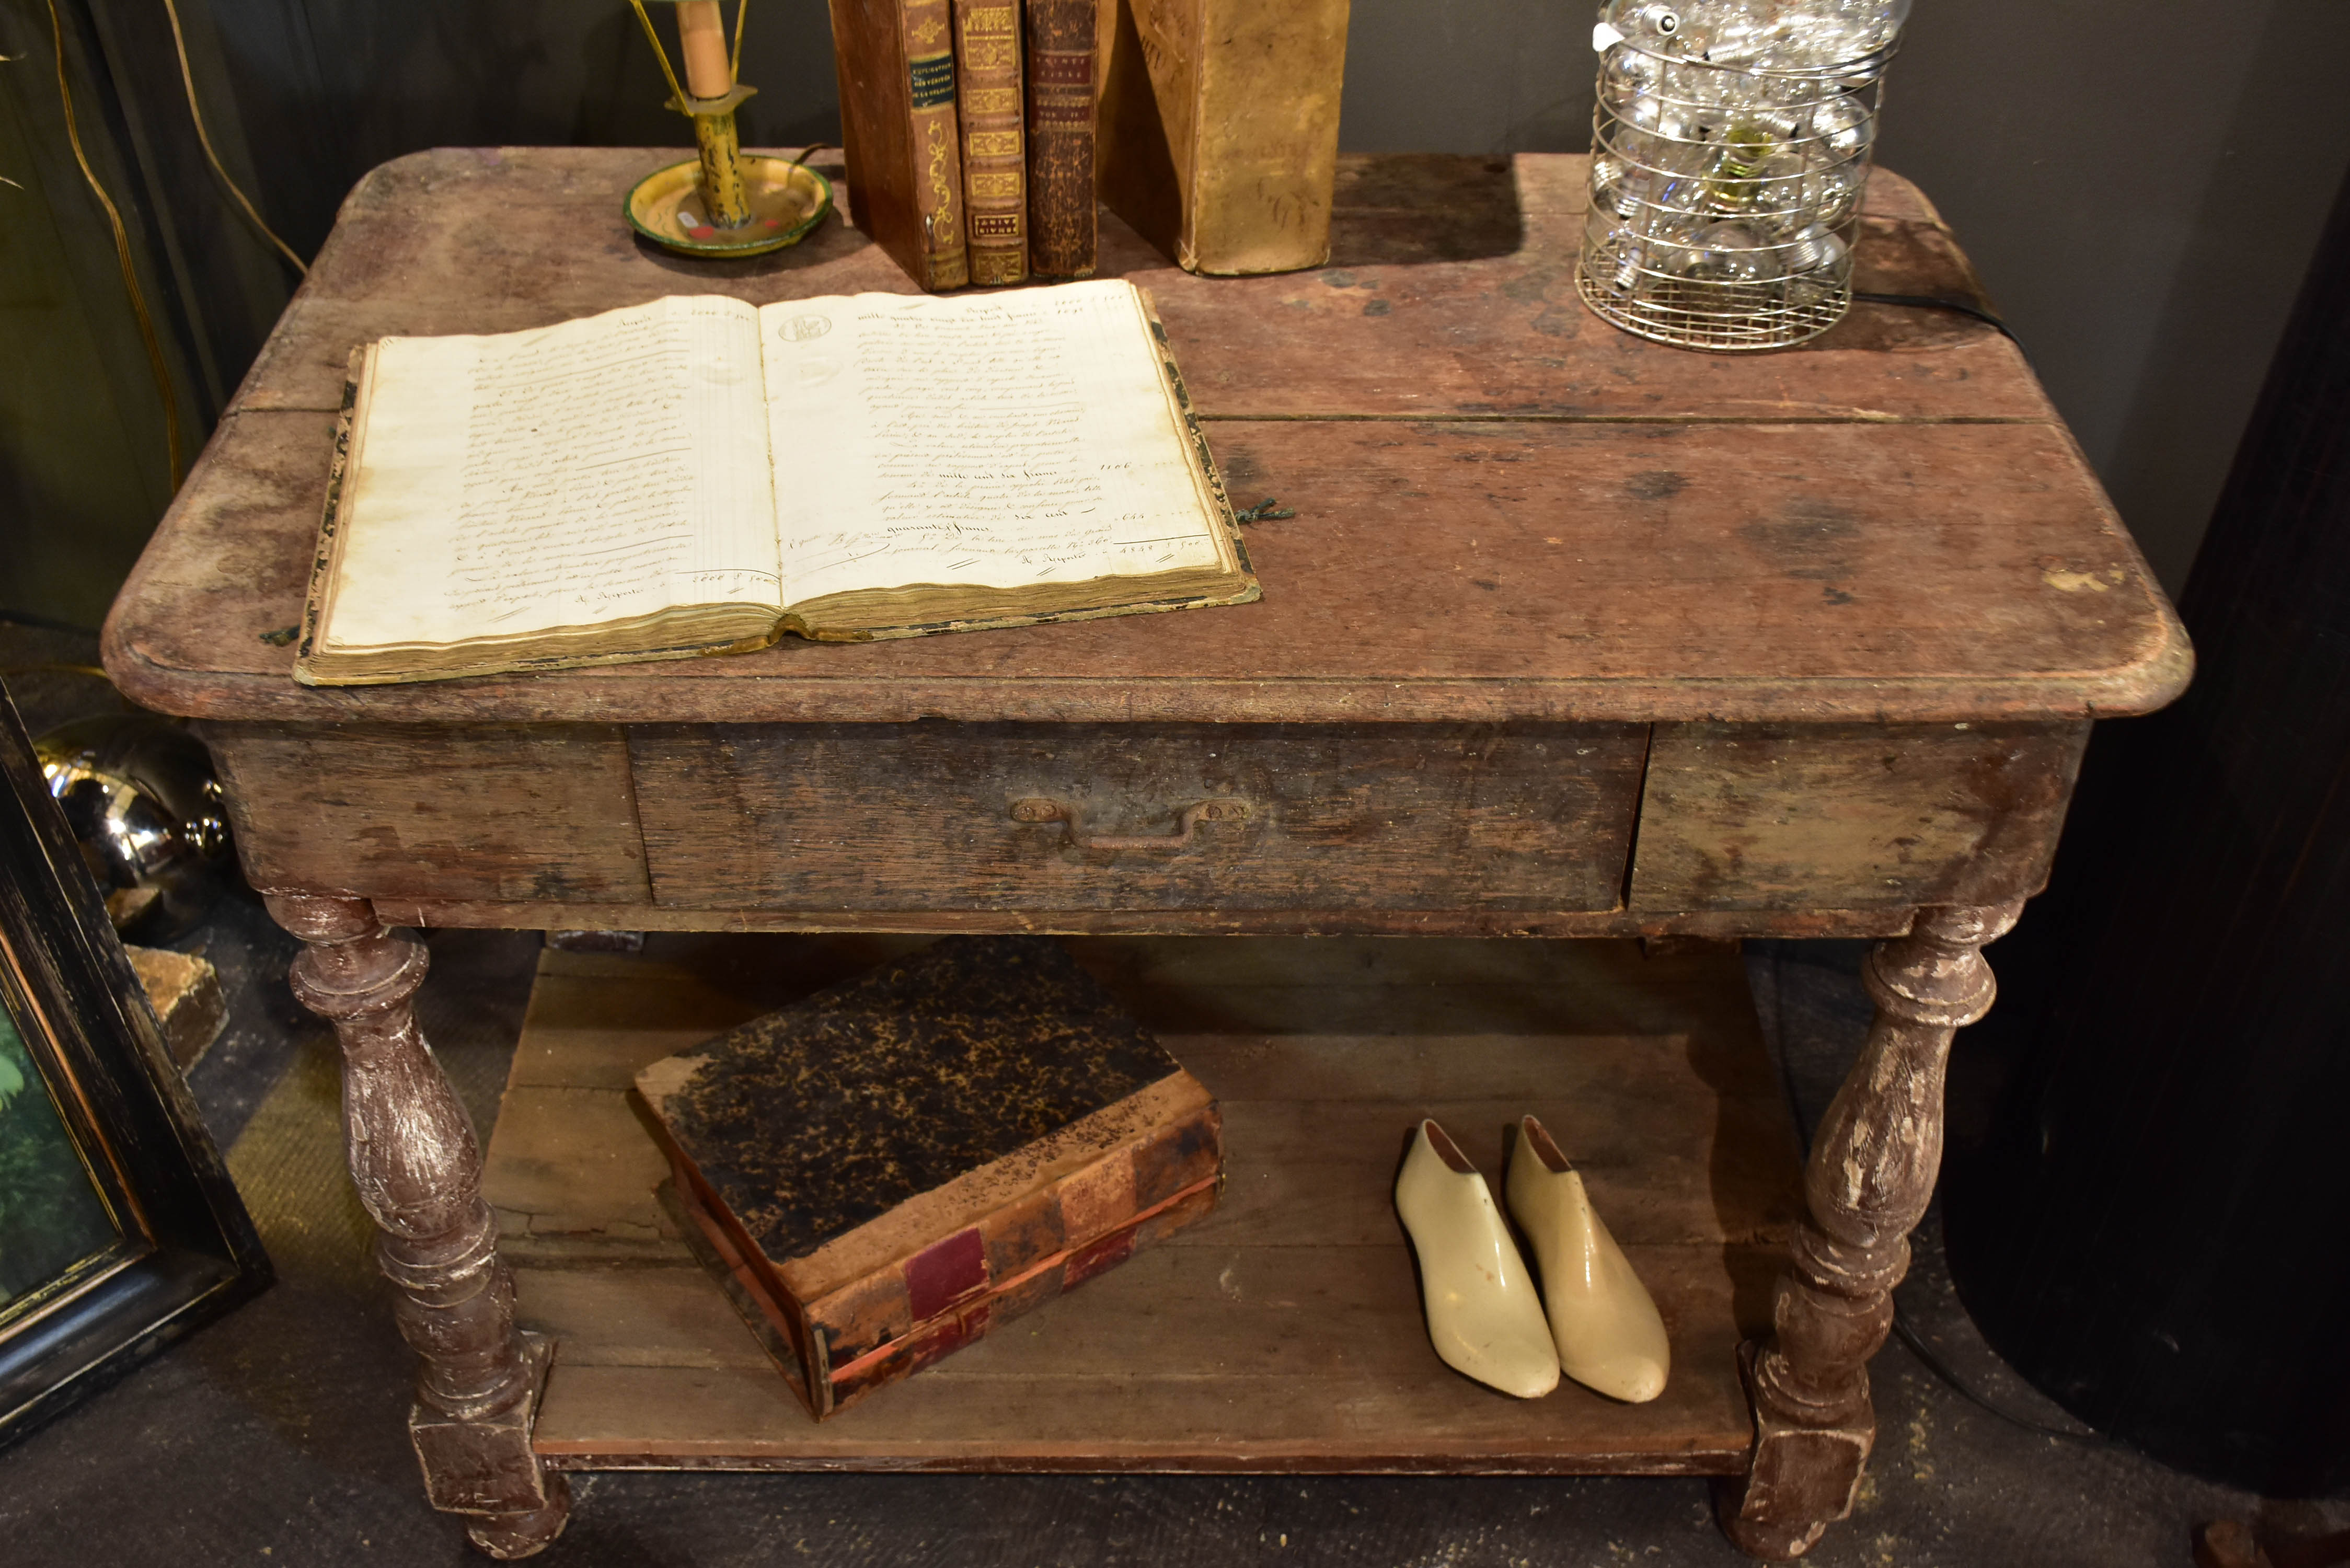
(1870, 1178)
(418, 1168)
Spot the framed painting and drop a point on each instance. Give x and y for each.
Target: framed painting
(120, 1231)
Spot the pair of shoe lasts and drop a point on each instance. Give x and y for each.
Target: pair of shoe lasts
(1484, 1315)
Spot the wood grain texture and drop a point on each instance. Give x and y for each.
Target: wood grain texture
(505, 812)
(418, 1170)
(1589, 527)
(1282, 1332)
(1774, 573)
(1867, 1184)
(1185, 1358)
(1716, 926)
(921, 816)
(1741, 817)
(1474, 271)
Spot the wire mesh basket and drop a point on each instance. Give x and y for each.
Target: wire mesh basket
(1727, 165)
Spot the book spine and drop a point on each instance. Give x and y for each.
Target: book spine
(895, 61)
(970, 1319)
(1220, 129)
(994, 162)
(907, 1315)
(938, 160)
(1061, 224)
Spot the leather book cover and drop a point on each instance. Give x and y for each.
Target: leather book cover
(1061, 203)
(881, 1173)
(1219, 128)
(895, 62)
(994, 161)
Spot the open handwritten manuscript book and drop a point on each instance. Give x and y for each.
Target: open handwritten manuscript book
(700, 475)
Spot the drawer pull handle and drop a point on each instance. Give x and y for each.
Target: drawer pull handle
(1038, 809)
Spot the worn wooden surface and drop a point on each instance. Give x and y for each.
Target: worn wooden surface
(1753, 817)
(1874, 1158)
(851, 816)
(1282, 1332)
(418, 1170)
(1435, 827)
(1724, 925)
(1505, 510)
(498, 812)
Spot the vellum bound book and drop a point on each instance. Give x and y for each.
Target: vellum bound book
(702, 475)
(879, 1175)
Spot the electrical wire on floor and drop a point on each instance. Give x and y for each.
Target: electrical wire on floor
(121, 255)
(204, 136)
(1902, 1329)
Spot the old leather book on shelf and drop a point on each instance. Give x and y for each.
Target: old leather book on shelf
(895, 61)
(994, 162)
(702, 475)
(1062, 236)
(1219, 128)
(880, 1174)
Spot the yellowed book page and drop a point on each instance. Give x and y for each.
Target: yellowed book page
(591, 471)
(999, 440)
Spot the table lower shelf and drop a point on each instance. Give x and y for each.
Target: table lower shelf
(1282, 1332)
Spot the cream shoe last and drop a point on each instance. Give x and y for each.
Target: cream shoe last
(1484, 1315)
(1609, 1335)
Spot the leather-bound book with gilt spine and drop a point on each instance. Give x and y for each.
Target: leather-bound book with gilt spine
(1219, 128)
(881, 1174)
(994, 162)
(895, 61)
(1062, 230)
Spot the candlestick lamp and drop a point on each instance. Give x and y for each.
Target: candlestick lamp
(726, 203)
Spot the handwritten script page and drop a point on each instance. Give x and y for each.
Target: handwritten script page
(588, 473)
(1000, 440)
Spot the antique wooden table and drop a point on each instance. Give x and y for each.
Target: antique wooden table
(1570, 634)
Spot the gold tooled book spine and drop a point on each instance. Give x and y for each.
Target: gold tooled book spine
(994, 161)
(1061, 224)
(938, 157)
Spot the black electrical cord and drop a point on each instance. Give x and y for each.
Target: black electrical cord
(1957, 306)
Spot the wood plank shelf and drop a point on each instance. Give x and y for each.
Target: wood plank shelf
(1284, 1332)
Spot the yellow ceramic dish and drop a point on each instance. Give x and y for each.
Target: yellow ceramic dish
(786, 199)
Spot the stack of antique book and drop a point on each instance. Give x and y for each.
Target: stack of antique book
(977, 131)
(970, 136)
(882, 1173)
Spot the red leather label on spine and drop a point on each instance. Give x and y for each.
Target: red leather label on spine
(944, 1272)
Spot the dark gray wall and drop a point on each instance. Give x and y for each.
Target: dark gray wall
(2141, 182)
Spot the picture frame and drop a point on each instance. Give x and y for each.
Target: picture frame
(120, 1229)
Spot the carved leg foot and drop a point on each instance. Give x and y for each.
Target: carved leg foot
(1870, 1176)
(418, 1169)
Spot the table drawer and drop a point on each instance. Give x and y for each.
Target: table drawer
(488, 814)
(1186, 816)
(1851, 816)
